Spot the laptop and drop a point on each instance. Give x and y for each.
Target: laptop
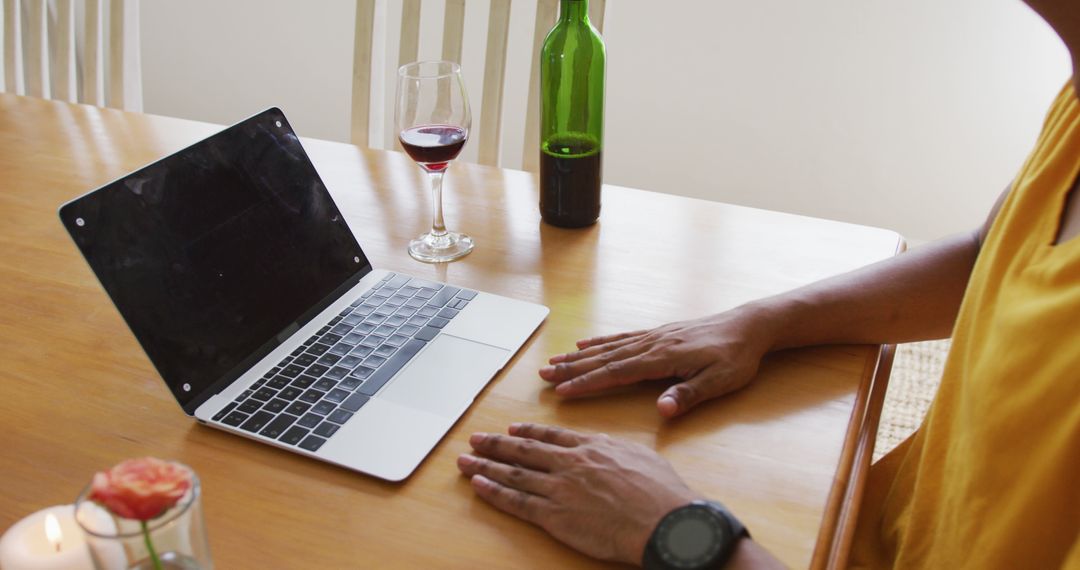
(239, 276)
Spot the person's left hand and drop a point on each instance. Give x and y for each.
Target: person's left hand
(599, 495)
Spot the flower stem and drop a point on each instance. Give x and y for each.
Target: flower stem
(150, 546)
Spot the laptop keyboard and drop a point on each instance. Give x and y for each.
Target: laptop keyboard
(310, 394)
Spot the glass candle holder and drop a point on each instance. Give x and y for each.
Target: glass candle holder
(174, 540)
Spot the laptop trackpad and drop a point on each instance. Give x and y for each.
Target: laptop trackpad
(446, 376)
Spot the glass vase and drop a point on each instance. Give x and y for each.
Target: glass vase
(174, 540)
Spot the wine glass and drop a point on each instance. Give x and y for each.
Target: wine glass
(433, 121)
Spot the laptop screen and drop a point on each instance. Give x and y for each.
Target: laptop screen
(211, 253)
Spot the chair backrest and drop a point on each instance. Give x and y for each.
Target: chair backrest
(56, 49)
(374, 58)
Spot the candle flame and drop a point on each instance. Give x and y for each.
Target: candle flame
(52, 531)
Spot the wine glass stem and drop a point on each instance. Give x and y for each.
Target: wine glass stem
(438, 227)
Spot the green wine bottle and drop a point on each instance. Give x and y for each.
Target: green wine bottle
(571, 118)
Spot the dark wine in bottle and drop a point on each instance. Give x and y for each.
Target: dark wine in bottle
(570, 182)
(571, 118)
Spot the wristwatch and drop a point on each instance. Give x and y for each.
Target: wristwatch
(702, 534)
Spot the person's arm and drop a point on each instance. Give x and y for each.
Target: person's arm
(750, 555)
(910, 297)
(913, 296)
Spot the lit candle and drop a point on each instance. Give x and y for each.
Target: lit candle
(53, 532)
(49, 538)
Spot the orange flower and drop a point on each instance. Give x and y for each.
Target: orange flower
(141, 489)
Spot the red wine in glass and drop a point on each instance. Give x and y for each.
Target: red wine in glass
(433, 146)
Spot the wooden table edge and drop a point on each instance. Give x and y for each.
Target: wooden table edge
(845, 496)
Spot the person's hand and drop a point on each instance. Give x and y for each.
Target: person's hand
(712, 356)
(601, 496)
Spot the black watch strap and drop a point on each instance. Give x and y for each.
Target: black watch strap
(728, 531)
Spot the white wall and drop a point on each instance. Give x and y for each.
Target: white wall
(223, 61)
(909, 115)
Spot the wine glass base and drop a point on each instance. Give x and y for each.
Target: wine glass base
(438, 249)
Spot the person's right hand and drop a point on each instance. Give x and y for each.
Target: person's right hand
(712, 356)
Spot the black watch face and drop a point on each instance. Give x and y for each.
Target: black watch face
(691, 538)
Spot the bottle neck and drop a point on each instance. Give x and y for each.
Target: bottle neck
(574, 10)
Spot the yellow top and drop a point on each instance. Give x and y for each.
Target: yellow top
(992, 478)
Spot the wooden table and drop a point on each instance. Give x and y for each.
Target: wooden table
(78, 395)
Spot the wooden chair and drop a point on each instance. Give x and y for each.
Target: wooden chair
(43, 57)
(488, 120)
